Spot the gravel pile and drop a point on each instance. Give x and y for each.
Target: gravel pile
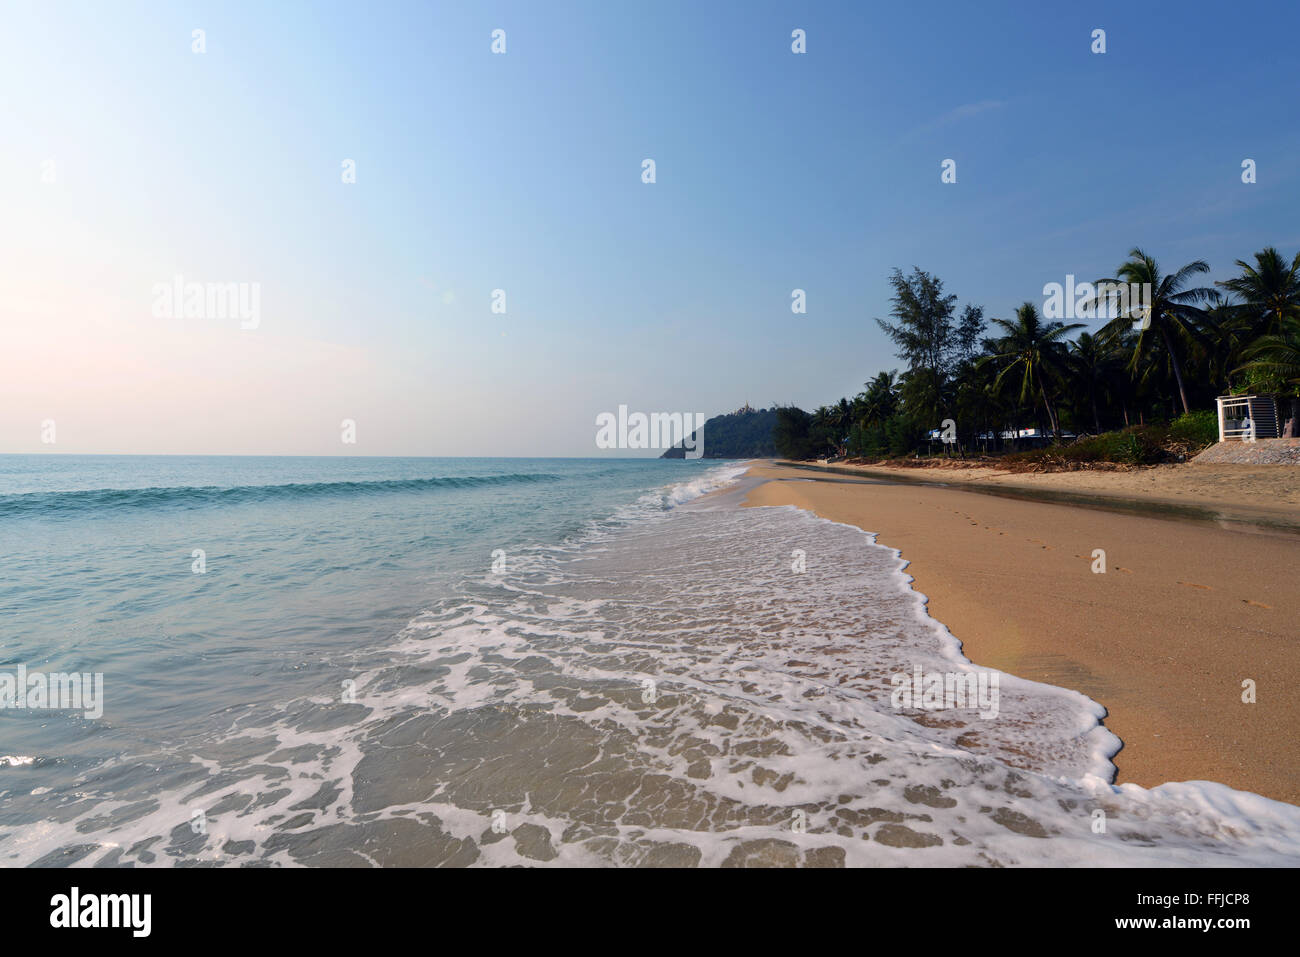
(1259, 452)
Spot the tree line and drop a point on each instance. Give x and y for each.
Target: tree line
(1160, 358)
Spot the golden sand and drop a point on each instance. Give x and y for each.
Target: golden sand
(1267, 489)
(1184, 613)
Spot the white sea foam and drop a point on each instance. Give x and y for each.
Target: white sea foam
(669, 689)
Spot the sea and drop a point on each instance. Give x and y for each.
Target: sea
(540, 662)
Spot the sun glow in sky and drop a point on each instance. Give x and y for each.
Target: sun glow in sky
(127, 159)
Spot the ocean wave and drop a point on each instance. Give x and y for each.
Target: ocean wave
(200, 496)
(673, 690)
(680, 493)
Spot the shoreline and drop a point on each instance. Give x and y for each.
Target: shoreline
(1265, 497)
(1185, 612)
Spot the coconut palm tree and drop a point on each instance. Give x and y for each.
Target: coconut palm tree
(1033, 349)
(841, 420)
(1227, 327)
(879, 401)
(1270, 291)
(825, 428)
(1276, 355)
(1094, 363)
(1170, 317)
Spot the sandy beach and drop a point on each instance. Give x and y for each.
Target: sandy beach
(1185, 612)
(1268, 492)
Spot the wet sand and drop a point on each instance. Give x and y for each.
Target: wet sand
(1185, 612)
(1268, 490)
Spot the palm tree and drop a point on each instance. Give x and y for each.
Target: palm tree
(824, 427)
(1124, 388)
(841, 418)
(1277, 355)
(1170, 313)
(1094, 362)
(1227, 327)
(976, 401)
(1035, 349)
(1270, 291)
(879, 401)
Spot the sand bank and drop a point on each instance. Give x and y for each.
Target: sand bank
(1185, 612)
(1270, 491)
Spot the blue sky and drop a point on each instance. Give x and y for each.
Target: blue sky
(522, 172)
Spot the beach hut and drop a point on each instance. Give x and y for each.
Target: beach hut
(1247, 417)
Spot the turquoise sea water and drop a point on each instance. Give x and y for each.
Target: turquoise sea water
(494, 662)
(306, 558)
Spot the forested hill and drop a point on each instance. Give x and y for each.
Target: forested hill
(743, 434)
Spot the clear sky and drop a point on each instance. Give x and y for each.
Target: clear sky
(127, 159)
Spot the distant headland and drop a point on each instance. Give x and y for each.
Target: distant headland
(743, 434)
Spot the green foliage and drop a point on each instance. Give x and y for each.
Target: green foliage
(790, 434)
(1131, 446)
(927, 338)
(904, 435)
(1173, 322)
(1196, 428)
(736, 435)
(1144, 366)
(1136, 445)
(1273, 361)
(1034, 352)
(1270, 292)
(868, 441)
